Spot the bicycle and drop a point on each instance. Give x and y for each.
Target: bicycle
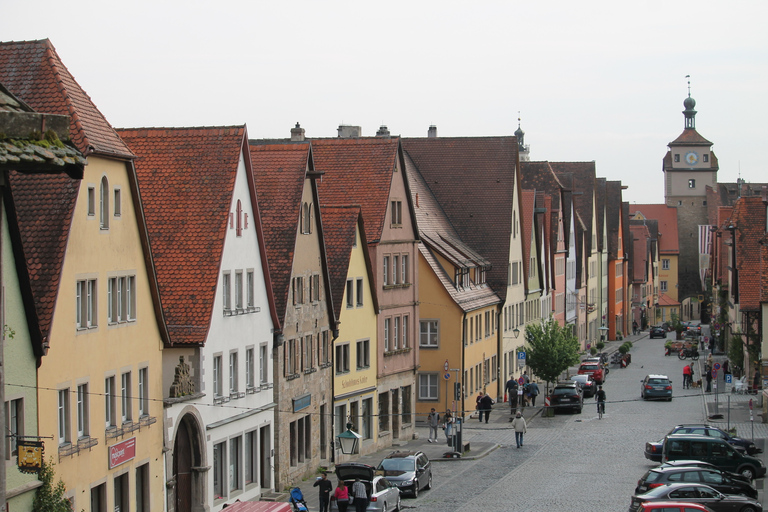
(688, 352)
(600, 410)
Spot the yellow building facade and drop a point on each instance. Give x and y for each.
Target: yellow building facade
(99, 384)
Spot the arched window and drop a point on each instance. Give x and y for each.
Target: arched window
(104, 203)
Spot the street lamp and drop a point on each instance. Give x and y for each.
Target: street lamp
(516, 332)
(348, 440)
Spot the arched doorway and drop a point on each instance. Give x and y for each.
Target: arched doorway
(187, 456)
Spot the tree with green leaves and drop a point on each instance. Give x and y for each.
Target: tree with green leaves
(50, 498)
(551, 349)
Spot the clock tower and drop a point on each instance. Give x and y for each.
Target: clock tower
(689, 167)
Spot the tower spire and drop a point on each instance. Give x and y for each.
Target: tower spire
(689, 104)
(522, 149)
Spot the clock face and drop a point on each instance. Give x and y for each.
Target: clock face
(691, 158)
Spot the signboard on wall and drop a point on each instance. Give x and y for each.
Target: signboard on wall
(121, 453)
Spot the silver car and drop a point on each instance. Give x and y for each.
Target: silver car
(382, 495)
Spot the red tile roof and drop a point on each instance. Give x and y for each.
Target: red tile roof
(33, 71)
(749, 217)
(339, 223)
(40, 209)
(358, 171)
(667, 218)
(473, 179)
(690, 136)
(186, 177)
(613, 213)
(279, 171)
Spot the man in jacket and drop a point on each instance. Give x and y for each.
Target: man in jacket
(520, 428)
(511, 390)
(325, 491)
(433, 420)
(533, 389)
(486, 405)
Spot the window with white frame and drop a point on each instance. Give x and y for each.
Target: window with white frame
(404, 335)
(91, 201)
(125, 395)
(428, 335)
(404, 274)
(143, 392)
(250, 367)
(325, 347)
(251, 456)
(428, 386)
(396, 333)
(350, 293)
(314, 288)
(14, 421)
(226, 287)
(263, 362)
(82, 410)
(63, 416)
(121, 299)
(397, 213)
(386, 271)
(239, 289)
(308, 359)
(250, 289)
(298, 290)
(387, 330)
(363, 354)
(663, 286)
(110, 402)
(395, 268)
(665, 264)
(234, 463)
(217, 377)
(85, 303)
(219, 477)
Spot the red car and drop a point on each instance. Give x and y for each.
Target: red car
(594, 369)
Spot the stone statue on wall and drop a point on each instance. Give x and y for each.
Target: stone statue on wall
(182, 380)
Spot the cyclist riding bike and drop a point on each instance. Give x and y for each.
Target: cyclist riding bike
(600, 397)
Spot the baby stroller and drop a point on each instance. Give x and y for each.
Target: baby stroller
(297, 500)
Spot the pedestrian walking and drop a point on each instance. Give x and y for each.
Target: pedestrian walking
(325, 490)
(433, 420)
(526, 378)
(708, 369)
(686, 376)
(486, 406)
(511, 390)
(520, 428)
(690, 377)
(756, 381)
(710, 363)
(479, 399)
(725, 368)
(360, 496)
(341, 495)
(634, 327)
(448, 425)
(533, 389)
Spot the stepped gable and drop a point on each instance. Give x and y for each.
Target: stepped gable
(473, 179)
(357, 171)
(33, 71)
(186, 177)
(279, 171)
(40, 209)
(749, 217)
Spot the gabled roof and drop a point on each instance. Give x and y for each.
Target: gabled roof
(279, 171)
(358, 171)
(640, 251)
(749, 217)
(666, 300)
(600, 209)
(33, 71)
(339, 227)
(473, 179)
(438, 236)
(583, 188)
(527, 203)
(40, 209)
(667, 222)
(186, 177)
(540, 176)
(690, 137)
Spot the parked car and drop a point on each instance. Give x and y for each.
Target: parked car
(653, 450)
(383, 495)
(658, 332)
(594, 369)
(587, 385)
(700, 494)
(409, 471)
(567, 395)
(717, 479)
(692, 328)
(656, 387)
(672, 506)
(713, 450)
(702, 464)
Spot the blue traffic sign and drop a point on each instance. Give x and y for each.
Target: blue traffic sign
(447, 376)
(728, 378)
(521, 355)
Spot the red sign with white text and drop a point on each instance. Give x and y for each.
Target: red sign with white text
(122, 452)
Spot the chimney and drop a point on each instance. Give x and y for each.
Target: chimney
(349, 132)
(297, 134)
(432, 132)
(383, 132)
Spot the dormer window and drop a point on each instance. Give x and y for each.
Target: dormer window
(692, 183)
(306, 218)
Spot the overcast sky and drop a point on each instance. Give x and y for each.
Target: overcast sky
(592, 80)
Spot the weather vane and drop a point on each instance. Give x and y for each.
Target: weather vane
(689, 84)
